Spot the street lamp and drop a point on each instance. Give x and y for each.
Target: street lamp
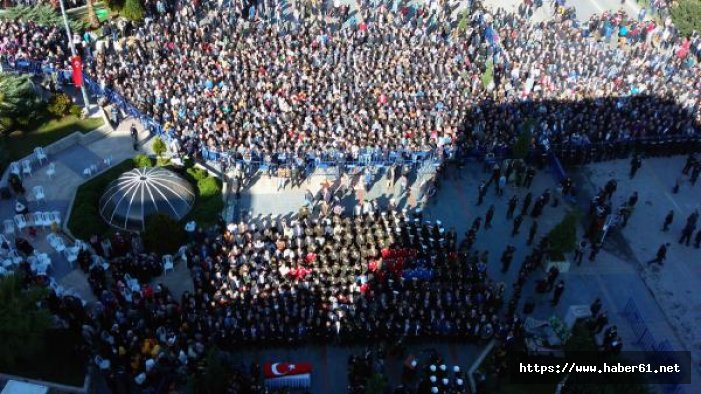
(86, 101)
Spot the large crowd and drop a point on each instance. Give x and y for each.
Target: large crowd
(386, 275)
(392, 82)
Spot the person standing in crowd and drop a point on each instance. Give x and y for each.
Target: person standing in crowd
(668, 220)
(526, 204)
(513, 202)
(532, 232)
(488, 217)
(517, 223)
(595, 307)
(557, 294)
(661, 255)
(134, 136)
(595, 248)
(635, 164)
(579, 252)
(481, 191)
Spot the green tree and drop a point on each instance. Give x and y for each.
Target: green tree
(42, 15)
(163, 234)
(687, 16)
(19, 101)
(141, 161)
(133, 9)
(563, 237)
(22, 323)
(159, 147)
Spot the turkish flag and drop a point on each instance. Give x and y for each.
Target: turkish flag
(77, 66)
(276, 370)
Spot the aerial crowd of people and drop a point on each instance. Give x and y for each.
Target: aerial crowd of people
(395, 81)
(273, 90)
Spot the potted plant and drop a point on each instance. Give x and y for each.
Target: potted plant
(563, 239)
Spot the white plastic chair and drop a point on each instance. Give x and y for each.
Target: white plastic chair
(56, 242)
(42, 264)
(26, 167)
(15, 257)
(9, 228)
(39, 193)
(81, 245)
(20, 222)
(40, 154)
(46, 219)
(93, 168)
(71, 255)
(51, 171)
(15, 169)
(55, 217)
(37, 219)
(87, 172)
(108, 161)
(133, 284)
(168, 264)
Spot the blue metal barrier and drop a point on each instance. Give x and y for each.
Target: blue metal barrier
(643, 336)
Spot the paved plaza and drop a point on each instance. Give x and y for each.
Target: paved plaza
(665, 297)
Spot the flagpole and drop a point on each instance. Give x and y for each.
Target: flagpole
(86, 101)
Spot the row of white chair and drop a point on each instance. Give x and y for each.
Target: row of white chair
(93, 169)
(26, 169)
(35, 219)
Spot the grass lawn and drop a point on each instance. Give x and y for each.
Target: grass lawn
(19, 144)
(85, 219)
(60, 361)
(209, 203)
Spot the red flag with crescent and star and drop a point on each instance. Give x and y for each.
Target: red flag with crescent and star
(77, 67)
(276, 370)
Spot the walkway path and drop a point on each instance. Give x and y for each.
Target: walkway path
(60, 188)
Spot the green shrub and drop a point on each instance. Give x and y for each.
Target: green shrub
(197, 173)
(687, 16)
(59, 104)
(209, 187)
(163, 234)
(42, 15)
(209, 204)
(141, 161)
(159, 147)
(76, 111)
(19, 103)
(162, 162)
(563, 237)
(133, 10)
